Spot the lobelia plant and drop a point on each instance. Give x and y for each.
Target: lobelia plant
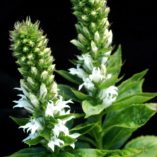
(111, 108)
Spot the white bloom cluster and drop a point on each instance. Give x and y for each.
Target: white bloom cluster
(60, 128)
(108, 95)
(89, 74)
(59, 107)
(34, 126)
(92, 75)
(53, 109)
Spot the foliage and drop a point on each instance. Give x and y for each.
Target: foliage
(111, 108)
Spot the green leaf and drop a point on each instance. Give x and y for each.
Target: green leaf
(32, 152)
(90, 153)
(115, 63)
(69, 77)
(119, 125)
(133, 99)
(91, 110)
(34, 141)
(83, 128)
(108, 82)
(67, 92)
(80, 95)
(105, 153)
(148, 145)
(20, 121)
(131, 86)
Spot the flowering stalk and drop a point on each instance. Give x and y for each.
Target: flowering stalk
(49, 112)
(93, 65)
(94, 41)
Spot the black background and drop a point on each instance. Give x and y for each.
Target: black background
(134, 27)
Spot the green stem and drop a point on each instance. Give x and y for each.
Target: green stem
(97, 132)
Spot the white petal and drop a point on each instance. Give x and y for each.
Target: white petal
(78, 71)
(33, 126)
(88, 84)
(87, 61)
(72, 145)
(96, 75)
(75, 135)
(60, 127)
(50, 109)
(23, 103)
(55, 142)
(31, 136)
(109, 95)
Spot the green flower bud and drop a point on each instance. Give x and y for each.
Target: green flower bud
(25, 49)
(86, 32)
(44, 75)
(34, 71)
(43, 91)
(34, 100)
(77, 44)
(30, 81)
(91, 1)
(94, 47)
(82, 39)
(84, 18)
(96, 37)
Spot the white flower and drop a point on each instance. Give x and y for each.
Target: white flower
(23, 103)
(33, 126)
(78, 71)
(57, 108)
(96, 75)
(55, 142)
(109, 95)
(88, 84)
(61, 104)
(60, 128)
(87, 61)
(50, 109)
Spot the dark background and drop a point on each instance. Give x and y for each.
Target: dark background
(134, 27)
